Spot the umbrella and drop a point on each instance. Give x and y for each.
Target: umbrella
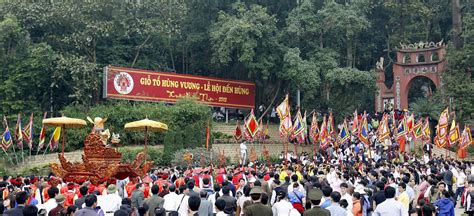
(64, 122)
(146, 125)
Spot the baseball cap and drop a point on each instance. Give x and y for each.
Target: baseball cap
(256, 190)
(315, 194)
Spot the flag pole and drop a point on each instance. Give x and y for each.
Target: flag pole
(14, 152)
(44, 153)
(22, 153)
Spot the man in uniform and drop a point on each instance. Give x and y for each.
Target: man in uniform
(315, 196)
(257, 208)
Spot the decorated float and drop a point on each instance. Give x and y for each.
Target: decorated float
(100, 160)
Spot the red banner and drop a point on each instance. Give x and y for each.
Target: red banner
(144, 85)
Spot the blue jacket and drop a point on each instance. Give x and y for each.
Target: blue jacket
(445, 207)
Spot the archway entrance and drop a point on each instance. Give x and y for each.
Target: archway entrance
(420, 87)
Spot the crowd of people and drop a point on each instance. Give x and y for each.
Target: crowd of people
(351, 179)
(294, 187)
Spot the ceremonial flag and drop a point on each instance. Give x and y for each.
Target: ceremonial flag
(237, 132)
(251, 125)
(298, 127)
(284, 114)
(355, 123)
(286, 126)
(53, 143)
(344, 133)
(42, 135)
(7, 136)
(323, 135)
(330, 123)
(410, 123)
(304, 135)
(426, 129)
(28, 132)
(442, 129)
(18, 132)
(383, 131)
(466, 140)
(402, 128)
(314, 131)
(283, 109)
(364, 131)
(453, 133)
(418, 129)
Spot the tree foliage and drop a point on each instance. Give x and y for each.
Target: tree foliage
(52, 52)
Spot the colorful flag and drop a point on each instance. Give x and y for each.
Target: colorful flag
(286, 126)
(410, 123)
(355, 123)
(28, 132)
(251, 125)
(284, 114)
(237, 132)
(283, 109)
(304, 135)
(418, 129)
(42, 135)
(344, 134)
(402, 128)
(298, 127)
(53, 144)
(466, 140)
(364, 130)
(314, 131)
(426, 129)
(453, 133)
(442, 129)
(330, 123)
(383, 131)
(18, 132)
(7, 136)
(323, 135)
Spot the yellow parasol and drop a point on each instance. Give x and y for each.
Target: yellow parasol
(146, 125)
(64, 122)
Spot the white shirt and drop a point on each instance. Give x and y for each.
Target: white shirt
(221, 213)
(183, 208)
(240, 202)
(171, 200)
(300, 188)
(390, 207)
(243, 148)
(109, 203)
(348, 198)
(282, 208)
(48, 205)
(460, 179)
(212, 199)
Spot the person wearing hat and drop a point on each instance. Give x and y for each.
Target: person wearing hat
(257, 208)
(111, 202)
(59, 209)
(315, 196)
